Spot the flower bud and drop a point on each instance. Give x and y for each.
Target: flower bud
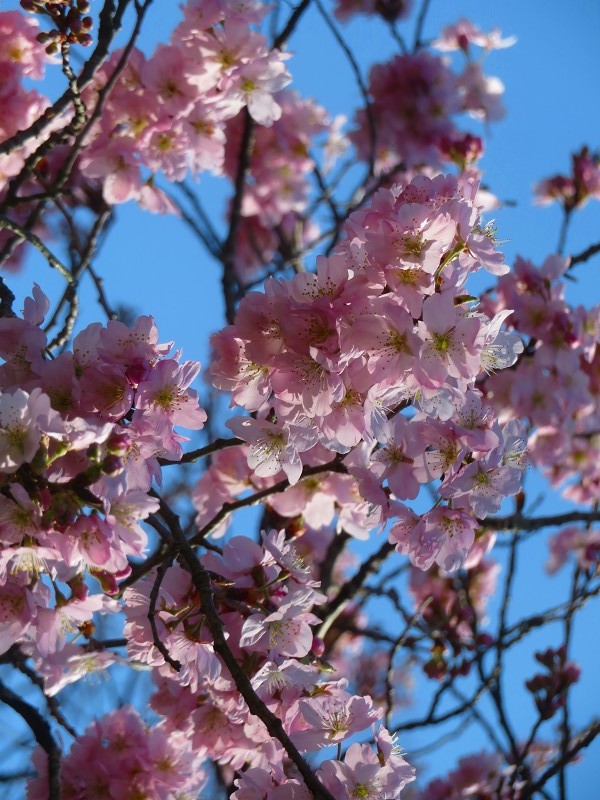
(318, 646)
(119, 443)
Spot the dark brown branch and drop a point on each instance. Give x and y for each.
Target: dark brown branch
(23, 233)
(398, 644)
(290, 25)
(70, 294)
(54, 708)
(418, 41)
(565, 723)
(158, 643)
(262, 494)
(334, 550)
(585, 255)
(517, 631)
(43, 736)
(516, 522)
(228, 250)
(102, 299)
(431, 719)
(203, 586)
(78, 104)
(334, 607)
(201, 452)
(211, 233)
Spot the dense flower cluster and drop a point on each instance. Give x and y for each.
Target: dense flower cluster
(80, 437)
(414, 98)
(167, 113)
(555, 384)
(119, 757)
(175, 113)
(22, 58)
(328, 361)
(265, 597)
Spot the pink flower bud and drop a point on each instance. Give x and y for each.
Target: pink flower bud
(318, 647)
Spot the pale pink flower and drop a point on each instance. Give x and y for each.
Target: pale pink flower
(20, 432)
(273, 447)
(285, 632)
(329, 719)
(166, 392)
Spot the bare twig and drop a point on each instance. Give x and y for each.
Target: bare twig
(517, 522)
(23, 233)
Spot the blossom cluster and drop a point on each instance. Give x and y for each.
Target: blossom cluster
(367, 369)
(168, 113)
(180, 111)
(80, 438)
(549, 688)
(120, 757)
(480, 775)
(265, 596)
(414, 98)
(573, 190)
(22, 58)
(555, 383)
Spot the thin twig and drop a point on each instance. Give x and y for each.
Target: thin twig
(23, 233)
(517, 522)
(361, 85)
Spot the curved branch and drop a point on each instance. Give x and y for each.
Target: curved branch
(43, 736)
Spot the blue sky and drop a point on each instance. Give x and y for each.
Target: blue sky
(551, 77)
